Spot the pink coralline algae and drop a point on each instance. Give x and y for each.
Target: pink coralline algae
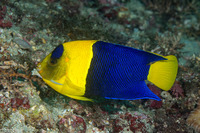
(72, 123)
(20, 102)
(4, 23)
(177, 90)
(153, 103)
(156, 104)
(2, 12)
(117, 127)
(135, 122)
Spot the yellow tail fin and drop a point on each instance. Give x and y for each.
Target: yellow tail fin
(163, 73)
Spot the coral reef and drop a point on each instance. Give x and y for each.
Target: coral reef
(177, 90)
(29, 30)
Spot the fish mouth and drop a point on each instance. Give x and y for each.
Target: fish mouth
(36, 72)
(38, 68)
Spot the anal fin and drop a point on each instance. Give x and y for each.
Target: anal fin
(132, 91)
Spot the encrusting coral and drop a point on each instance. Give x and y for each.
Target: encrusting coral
(194, 118)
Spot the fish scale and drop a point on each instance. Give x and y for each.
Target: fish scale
(106, 72)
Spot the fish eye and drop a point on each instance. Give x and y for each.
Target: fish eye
(53, 61)
(55, 55)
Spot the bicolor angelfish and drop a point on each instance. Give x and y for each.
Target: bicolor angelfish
(86, 69)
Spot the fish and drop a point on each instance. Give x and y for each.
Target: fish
(88, 69)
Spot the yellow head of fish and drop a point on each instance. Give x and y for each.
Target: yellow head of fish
(60, 71)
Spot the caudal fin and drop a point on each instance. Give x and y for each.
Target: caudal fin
(163, 73)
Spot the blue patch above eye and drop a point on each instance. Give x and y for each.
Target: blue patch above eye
(57, 52)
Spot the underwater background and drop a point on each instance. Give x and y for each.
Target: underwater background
(30, 30)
